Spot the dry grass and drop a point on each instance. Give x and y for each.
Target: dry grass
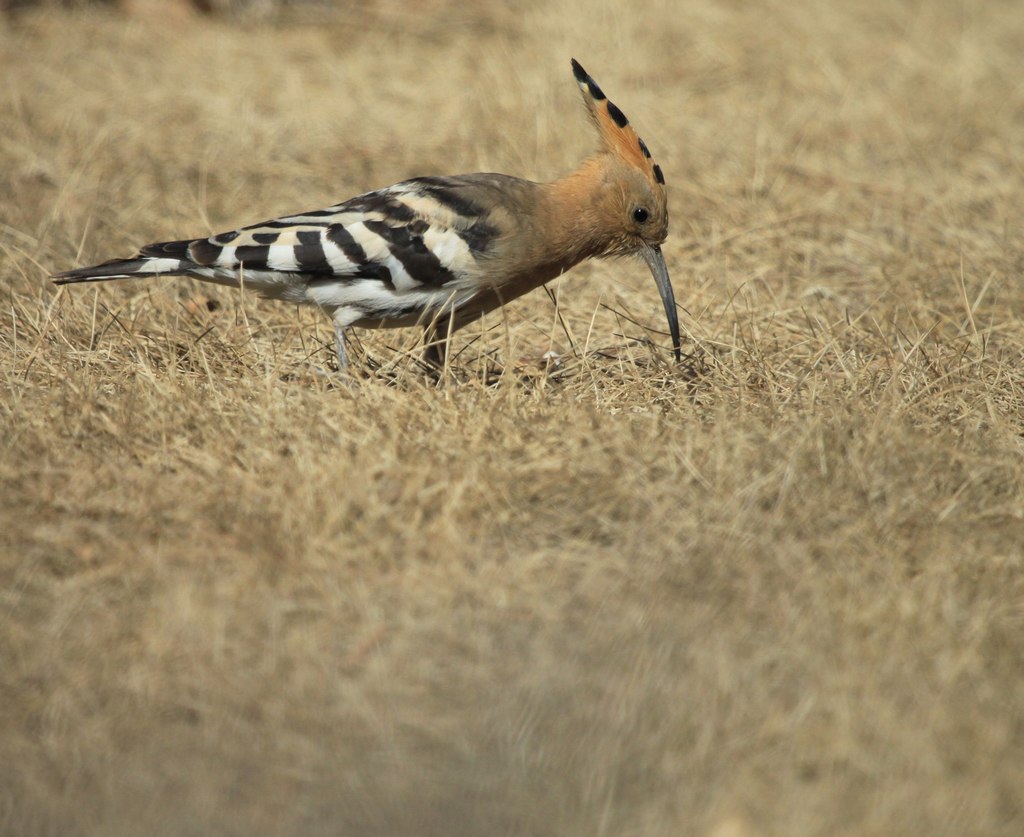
(778, 591)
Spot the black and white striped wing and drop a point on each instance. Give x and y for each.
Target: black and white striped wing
(405, 235)
(383, 255)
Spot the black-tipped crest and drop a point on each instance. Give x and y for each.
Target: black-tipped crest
(612, 124)
(584, 80)
(618, 117)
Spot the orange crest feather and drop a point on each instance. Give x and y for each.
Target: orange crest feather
(617, 135)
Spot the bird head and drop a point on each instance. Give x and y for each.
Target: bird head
(630, 189)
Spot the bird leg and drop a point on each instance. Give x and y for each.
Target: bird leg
(435, 348)
(339, 344)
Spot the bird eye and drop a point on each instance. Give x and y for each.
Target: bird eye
(640, 215)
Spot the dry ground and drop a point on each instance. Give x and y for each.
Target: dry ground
(778, 590)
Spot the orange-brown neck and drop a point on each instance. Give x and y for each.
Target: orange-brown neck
(578, 211)
(555, 226)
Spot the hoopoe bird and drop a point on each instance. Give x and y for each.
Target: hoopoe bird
(439, 252)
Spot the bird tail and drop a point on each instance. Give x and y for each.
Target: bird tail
(167, 258)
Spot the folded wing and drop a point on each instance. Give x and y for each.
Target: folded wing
(426, 233)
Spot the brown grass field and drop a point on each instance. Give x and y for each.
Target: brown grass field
(776, 590)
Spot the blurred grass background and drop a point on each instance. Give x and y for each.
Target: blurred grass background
(776, 590)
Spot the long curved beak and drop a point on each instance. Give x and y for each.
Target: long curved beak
(656, 262)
